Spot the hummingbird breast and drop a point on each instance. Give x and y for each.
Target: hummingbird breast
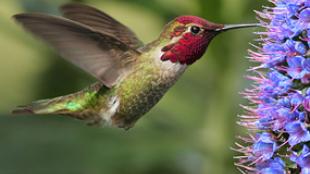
(144, 87)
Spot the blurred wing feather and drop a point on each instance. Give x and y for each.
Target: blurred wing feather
(101, 22)
(103, 56)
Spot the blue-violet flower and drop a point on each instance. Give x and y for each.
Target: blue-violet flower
(278, 116)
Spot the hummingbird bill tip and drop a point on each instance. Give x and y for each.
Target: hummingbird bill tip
(237, 26)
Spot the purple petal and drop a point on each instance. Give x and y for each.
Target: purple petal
(297, 133)
(305, 15)
(295, 69)
(306, 103)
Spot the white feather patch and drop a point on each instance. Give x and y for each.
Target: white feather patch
(107, 114)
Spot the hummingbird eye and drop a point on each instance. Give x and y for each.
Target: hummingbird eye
(195, 29)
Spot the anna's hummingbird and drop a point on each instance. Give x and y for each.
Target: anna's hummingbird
(132, 77)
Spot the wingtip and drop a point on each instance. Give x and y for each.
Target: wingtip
(18, 16)
(21, 16)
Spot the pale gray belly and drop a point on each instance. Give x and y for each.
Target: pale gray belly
(143, 95)
(132, 109)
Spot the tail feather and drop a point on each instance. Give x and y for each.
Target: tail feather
(47, 106)
(23, 110)
(64, 105)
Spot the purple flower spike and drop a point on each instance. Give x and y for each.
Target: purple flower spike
(278, 116)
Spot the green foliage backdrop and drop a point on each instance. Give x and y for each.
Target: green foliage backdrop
(189, 132)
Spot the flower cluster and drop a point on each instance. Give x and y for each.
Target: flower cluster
(278, 116)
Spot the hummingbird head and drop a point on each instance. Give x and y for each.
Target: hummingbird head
(189, 36)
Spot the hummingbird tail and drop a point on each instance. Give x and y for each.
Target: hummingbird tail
(63, 105)
(47, 106)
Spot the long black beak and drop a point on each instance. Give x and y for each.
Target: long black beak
(237, 26)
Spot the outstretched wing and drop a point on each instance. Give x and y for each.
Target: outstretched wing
(101, 22)
(103, 56)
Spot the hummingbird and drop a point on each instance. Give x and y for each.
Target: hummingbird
(131, 76)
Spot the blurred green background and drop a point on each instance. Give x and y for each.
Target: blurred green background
(189, 132)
